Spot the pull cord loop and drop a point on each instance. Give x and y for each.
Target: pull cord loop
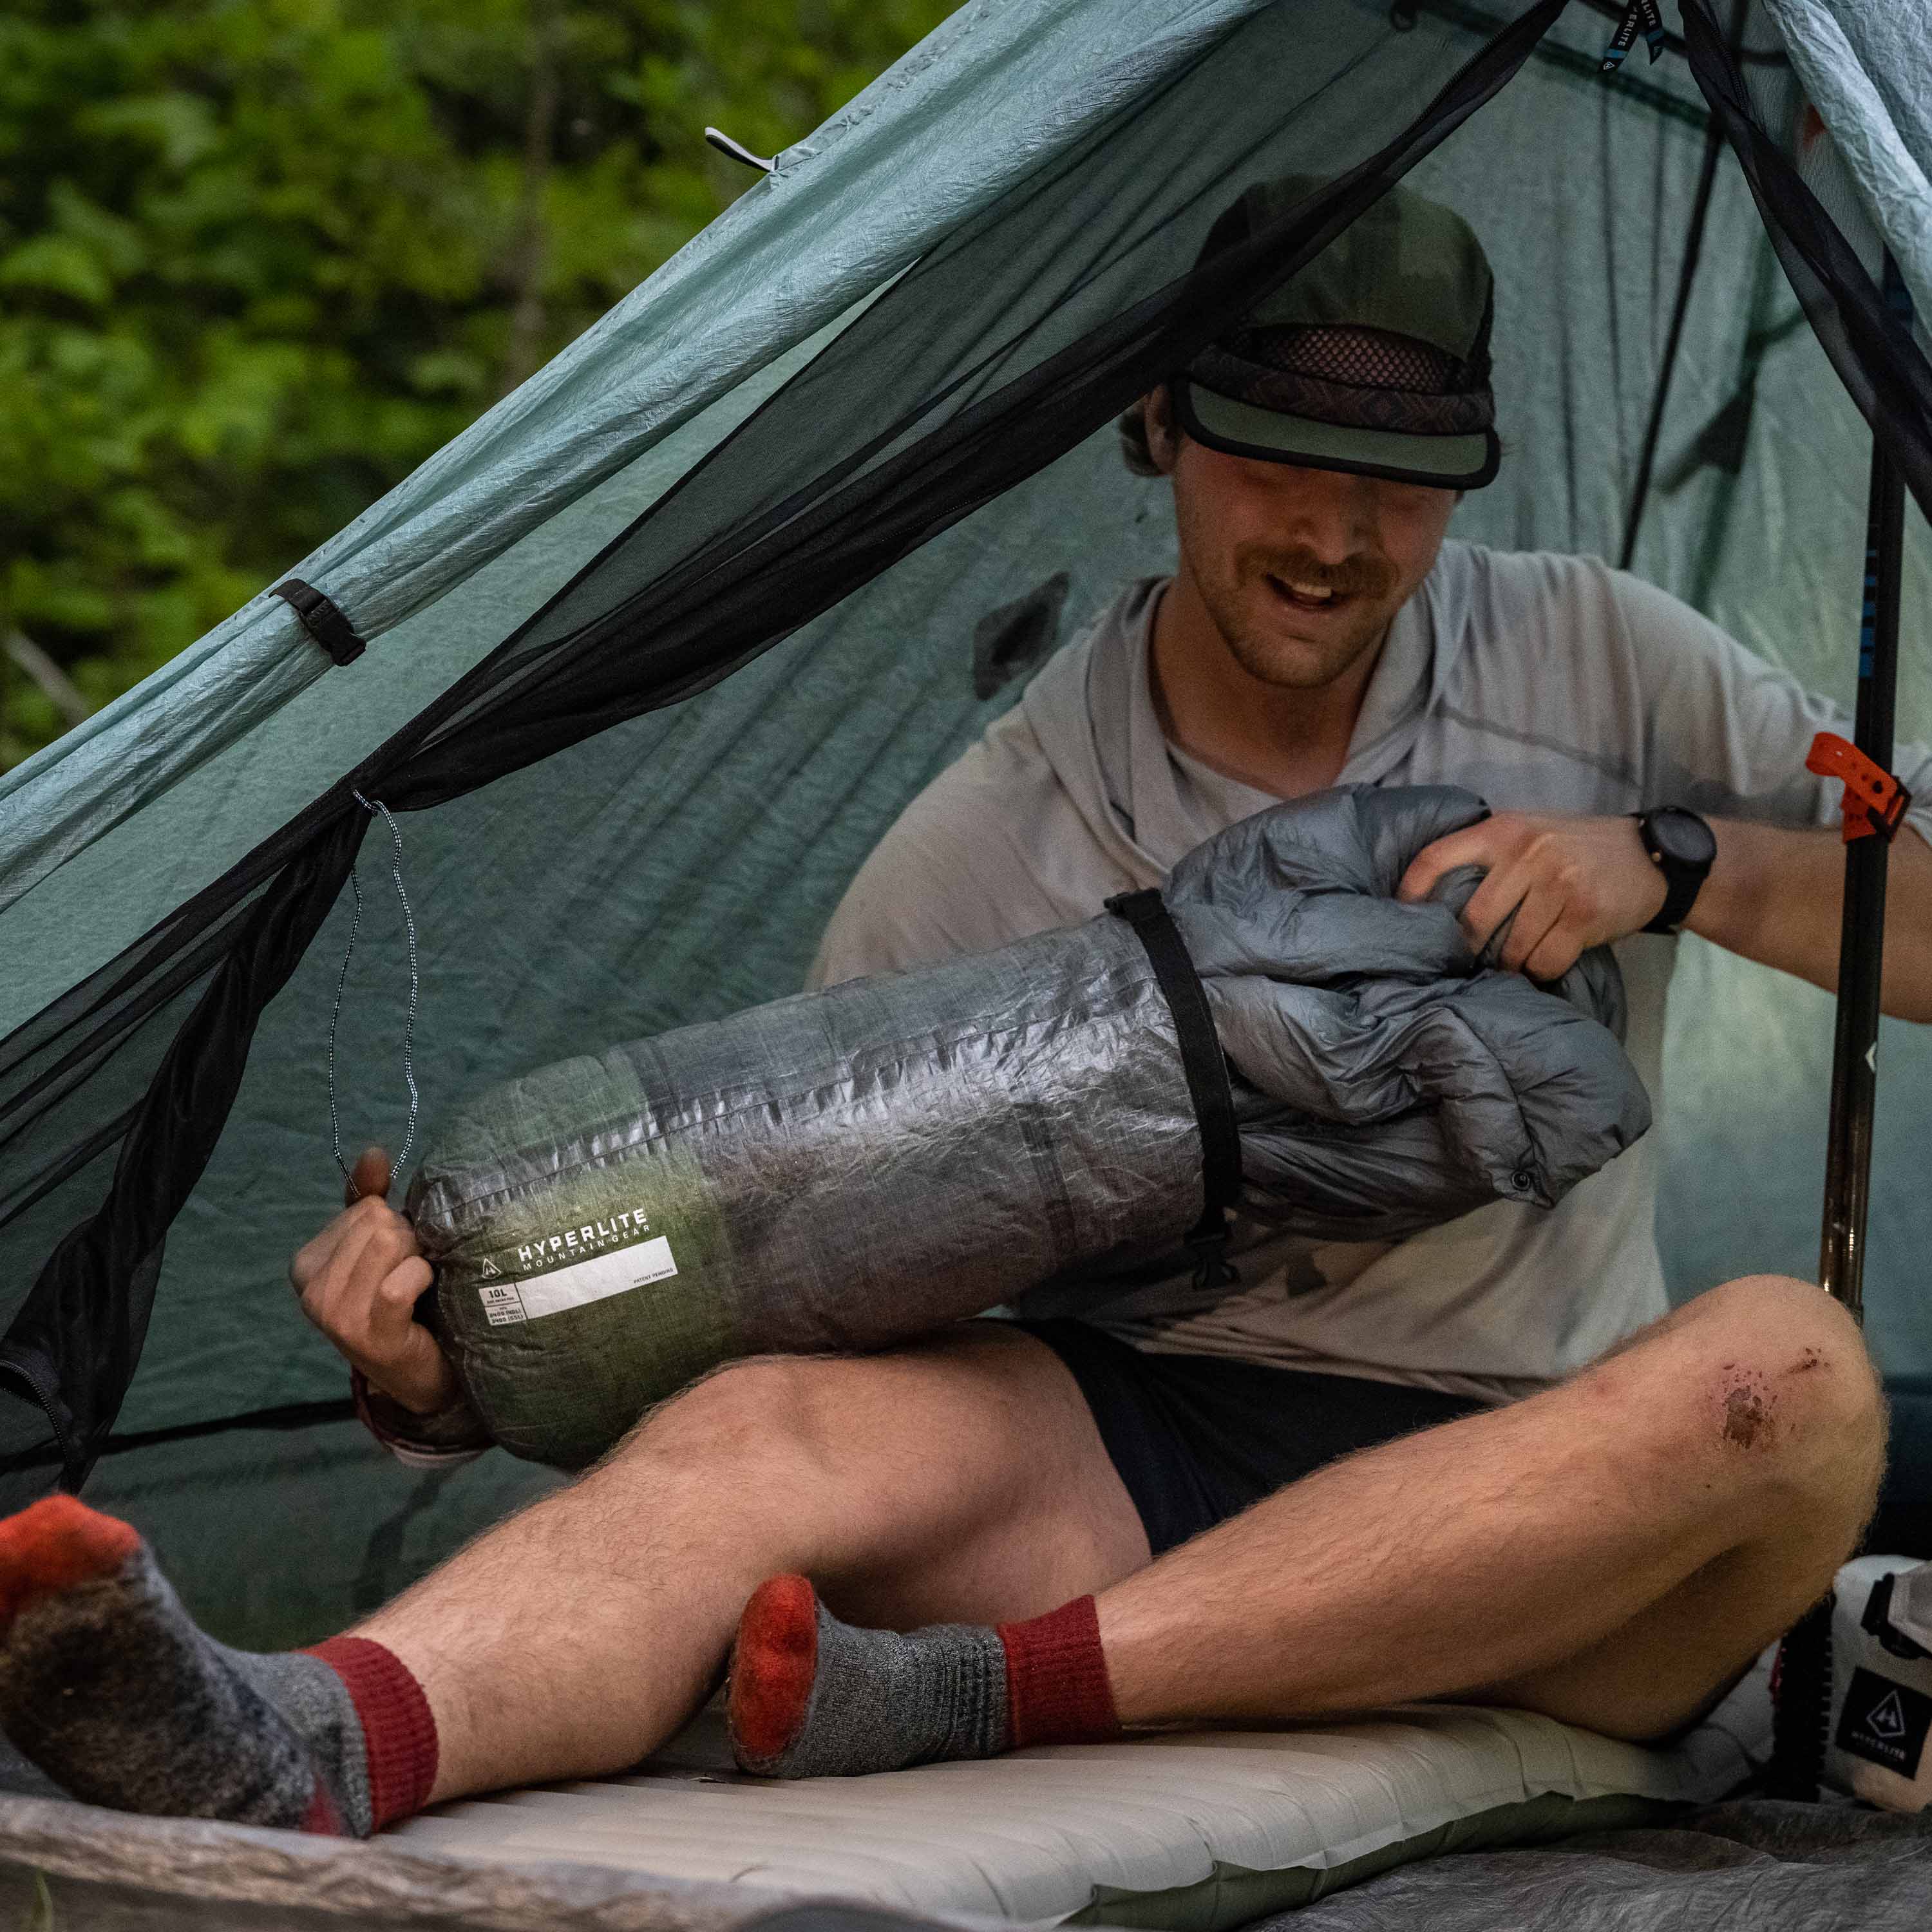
(342, 981)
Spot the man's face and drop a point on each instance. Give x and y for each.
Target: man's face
(1301, 570)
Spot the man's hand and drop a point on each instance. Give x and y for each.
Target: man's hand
(1572, 883)
(359, 1280)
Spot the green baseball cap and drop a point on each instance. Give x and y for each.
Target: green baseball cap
(1374, 357)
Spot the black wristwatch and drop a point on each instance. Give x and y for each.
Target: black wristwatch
(1682, 847)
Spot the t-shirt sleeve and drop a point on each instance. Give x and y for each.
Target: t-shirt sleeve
(1727, 732)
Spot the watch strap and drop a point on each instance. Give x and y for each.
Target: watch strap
(1682, 881)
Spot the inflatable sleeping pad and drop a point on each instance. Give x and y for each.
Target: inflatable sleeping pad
(849, 1169)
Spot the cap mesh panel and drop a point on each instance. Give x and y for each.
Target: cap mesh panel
(1364, 358)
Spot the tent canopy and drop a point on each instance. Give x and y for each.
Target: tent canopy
(863, 413)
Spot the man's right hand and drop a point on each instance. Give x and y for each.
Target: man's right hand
(359, 1280)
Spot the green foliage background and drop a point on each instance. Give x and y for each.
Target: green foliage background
(260, 258)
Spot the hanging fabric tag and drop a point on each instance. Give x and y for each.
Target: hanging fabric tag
(1642, 16)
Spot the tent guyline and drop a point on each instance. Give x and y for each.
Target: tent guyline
(744, 549)
(373, 807)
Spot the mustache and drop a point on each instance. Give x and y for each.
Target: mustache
(1362, 574)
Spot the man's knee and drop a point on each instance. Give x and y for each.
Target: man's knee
(1782, 1375)
(767, 1413)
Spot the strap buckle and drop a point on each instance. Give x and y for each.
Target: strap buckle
(1208, 1243)
(1875, 801)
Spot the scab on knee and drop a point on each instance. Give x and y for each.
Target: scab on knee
(1792, 1375)
(1749, 1408)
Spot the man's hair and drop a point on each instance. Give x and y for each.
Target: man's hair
(1136, 452)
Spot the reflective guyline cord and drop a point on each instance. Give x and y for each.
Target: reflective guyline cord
(342, 981)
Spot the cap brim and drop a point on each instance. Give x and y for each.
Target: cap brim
(1244, 429)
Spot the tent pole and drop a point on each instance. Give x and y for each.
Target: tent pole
(1804, 1711)
(1687, 273)
(1861, 937)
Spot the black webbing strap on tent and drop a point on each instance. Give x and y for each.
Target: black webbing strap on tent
(284, 1418)
(1206, 1070)
(323, 619)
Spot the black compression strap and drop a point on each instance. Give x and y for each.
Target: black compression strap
(324, 621)
(1206, 1071)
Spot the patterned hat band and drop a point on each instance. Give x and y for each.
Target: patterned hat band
(1354, 378)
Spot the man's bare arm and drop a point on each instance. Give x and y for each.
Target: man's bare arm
(1774, 895)
(1777, 896)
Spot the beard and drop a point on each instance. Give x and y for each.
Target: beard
(1279, 640)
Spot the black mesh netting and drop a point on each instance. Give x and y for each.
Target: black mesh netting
(1039, 318)
(1361, 359)
(1365, 377)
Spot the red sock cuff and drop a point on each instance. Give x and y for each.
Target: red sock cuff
(398, 1731)
(1057, 1688)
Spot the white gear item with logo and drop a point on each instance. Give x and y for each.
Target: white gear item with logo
(1882, 1683)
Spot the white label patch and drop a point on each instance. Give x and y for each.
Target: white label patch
(501, 1304)
(580, 1282)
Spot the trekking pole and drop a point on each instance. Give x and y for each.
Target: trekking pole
(1867, 847)
(1874, 805)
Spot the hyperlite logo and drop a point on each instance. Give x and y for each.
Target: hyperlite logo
(1885, 1722)
(593, 1238)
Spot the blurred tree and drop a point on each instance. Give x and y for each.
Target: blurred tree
(260, 258)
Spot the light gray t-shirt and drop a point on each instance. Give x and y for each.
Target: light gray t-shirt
(1544, 682)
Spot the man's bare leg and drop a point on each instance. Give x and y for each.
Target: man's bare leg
(1612, 1552)
(962, 1479)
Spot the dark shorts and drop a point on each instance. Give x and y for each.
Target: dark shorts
(1197, 1439)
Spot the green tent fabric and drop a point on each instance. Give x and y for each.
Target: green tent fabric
(681, 863)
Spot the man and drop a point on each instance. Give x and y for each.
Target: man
(1559, 1497)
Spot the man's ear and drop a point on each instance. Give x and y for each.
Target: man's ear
(1163, 432)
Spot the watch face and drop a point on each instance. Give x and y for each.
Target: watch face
(1682, 837)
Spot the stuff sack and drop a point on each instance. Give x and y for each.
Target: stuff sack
(850, 1169)
(1879, 1720)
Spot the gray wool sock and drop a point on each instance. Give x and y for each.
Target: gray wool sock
(108, 1687)
(860, 1700)
(314, 1702)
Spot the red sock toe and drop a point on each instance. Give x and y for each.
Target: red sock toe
(772, 1667)
(53, 1544)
